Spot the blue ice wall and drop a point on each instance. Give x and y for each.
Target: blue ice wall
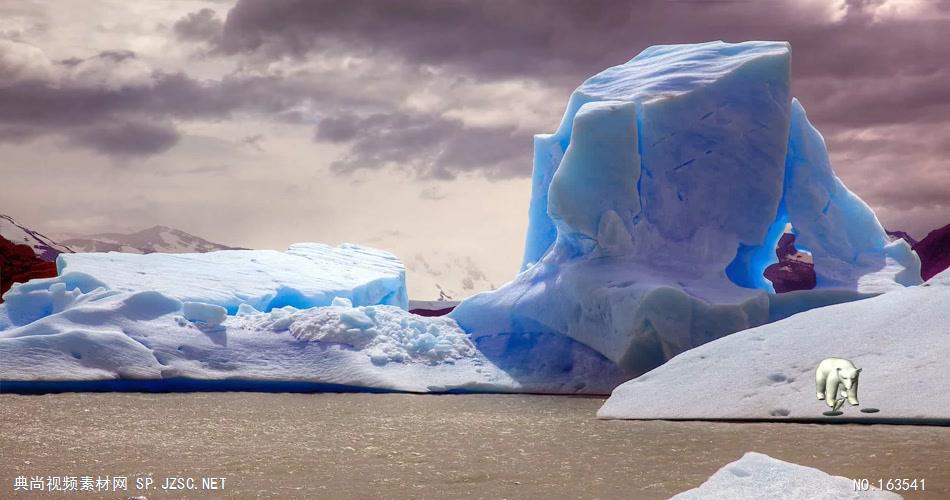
(658, 202)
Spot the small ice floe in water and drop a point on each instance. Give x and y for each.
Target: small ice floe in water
(757, 476)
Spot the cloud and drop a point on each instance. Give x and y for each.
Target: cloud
(442, 88)
(432, 193)
(101, 102)
(127, 138)
(858, 66)
(428, 145)
(561, 42)
(201, 26)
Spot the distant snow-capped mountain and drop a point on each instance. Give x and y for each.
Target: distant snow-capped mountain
(43, 246)
(151, 240)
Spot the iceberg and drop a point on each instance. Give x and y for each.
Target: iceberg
(657, 205)
(756, 475)
(86, 336)
(899, 339)
(306, 275)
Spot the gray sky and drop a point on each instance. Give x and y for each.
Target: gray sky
(407, 125)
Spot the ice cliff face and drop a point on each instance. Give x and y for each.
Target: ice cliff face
(657, 205)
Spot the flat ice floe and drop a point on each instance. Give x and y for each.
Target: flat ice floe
(306, 275)
(756, 476)
(901, 340)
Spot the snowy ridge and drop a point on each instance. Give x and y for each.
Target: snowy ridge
(154, 239)
(44, 247)
(900, 339)
(756, 476)
(306, 275)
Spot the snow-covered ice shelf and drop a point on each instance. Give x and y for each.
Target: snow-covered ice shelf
(901, 340)
(306, 275)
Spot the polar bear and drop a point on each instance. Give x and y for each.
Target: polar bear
(831, 374)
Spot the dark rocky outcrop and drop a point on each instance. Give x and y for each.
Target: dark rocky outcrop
(934, 252)
(19, 264)
(793, 271)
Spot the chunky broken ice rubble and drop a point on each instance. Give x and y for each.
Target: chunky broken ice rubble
(756, 476)
(901, 340)
(657, 204)
(306, 275)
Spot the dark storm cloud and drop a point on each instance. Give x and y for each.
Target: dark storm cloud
(868, 67)
(853, 71)
(566, 40)
(135, 119)
(127, 138)
(199, 26)
(425, 144)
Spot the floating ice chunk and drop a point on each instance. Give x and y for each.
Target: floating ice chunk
(756, 476)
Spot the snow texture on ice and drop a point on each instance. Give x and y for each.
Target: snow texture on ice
(756, 476)
(901, 340)
(306, 275)
(657, 204)
(160, 343)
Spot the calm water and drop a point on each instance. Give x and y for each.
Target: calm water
(410, 446)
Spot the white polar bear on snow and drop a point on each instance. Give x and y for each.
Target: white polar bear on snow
(831, 374)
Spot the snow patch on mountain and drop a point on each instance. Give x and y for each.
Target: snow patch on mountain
(152, 240)
(43, 246)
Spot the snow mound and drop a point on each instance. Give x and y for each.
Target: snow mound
(208, 314)
(35, 299)
(43, 247)
(901, 340)
(757, 476)
(306, 275)
(658, 203)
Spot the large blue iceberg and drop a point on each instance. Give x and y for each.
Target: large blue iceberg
(657, 204)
